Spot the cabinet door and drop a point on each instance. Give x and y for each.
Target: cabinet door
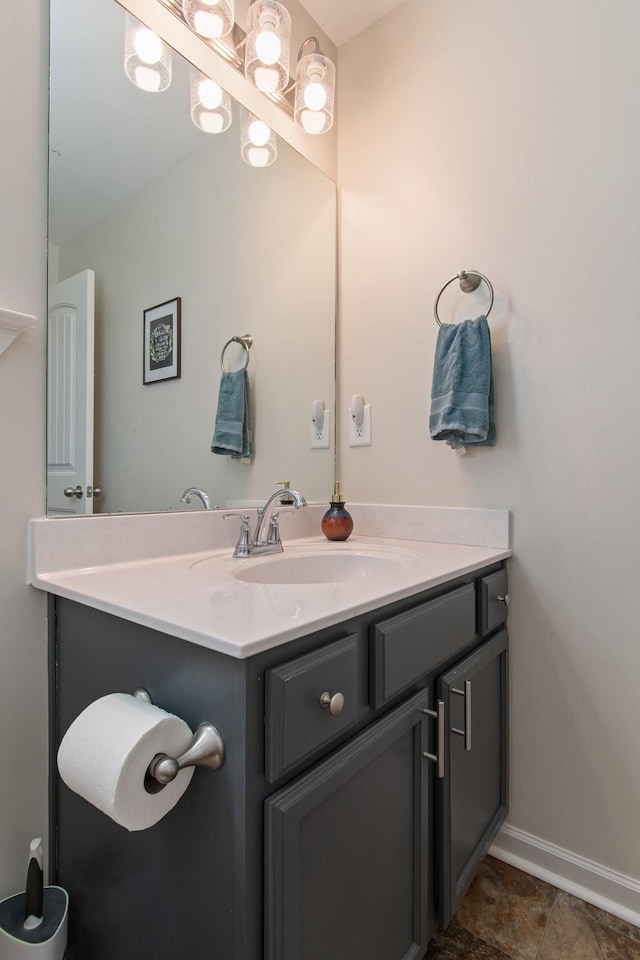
(346, 849)
(473, 793)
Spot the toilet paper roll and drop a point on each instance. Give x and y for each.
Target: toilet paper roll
(106, 751)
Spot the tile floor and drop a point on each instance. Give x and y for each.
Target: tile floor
(509, 915)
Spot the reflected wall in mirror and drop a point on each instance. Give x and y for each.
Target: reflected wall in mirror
(146, 208)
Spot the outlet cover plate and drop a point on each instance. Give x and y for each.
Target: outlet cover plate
(360, 436)
(322, 440)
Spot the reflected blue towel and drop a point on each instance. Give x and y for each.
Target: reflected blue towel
(462, 400)
(233, 432)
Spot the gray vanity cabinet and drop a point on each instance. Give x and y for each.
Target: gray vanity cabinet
(347, 849)
(328, 832)
(472, 795)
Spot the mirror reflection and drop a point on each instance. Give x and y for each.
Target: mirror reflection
(156, 224)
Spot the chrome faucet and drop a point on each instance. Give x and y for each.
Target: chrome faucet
(197, 492)
(258, 544)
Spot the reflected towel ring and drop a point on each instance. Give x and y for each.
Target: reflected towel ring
(246, 342)
(470, 280)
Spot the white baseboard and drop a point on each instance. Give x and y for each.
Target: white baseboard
(590, 881)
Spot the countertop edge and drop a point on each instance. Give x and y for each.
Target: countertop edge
(52, 584)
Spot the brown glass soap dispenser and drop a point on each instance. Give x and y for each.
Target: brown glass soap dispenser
(337, 522)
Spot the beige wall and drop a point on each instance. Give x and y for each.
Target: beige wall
(23, 643)
(503, 136)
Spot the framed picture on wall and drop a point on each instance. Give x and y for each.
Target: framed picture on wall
(161, 344)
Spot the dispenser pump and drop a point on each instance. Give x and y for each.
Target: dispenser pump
(337, 523)
(337, 496)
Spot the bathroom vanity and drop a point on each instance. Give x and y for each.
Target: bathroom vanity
(365, 773)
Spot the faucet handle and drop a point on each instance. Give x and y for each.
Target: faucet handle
(274, 527)
(244, 540)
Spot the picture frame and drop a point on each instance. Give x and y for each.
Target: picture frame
(162, 342)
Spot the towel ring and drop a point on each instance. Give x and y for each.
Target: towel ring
(470, 280)
(246, 342)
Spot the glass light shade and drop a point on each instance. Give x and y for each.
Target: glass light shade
(209, 18)
(315, 93)
(258, 145)
(210, 104)
(147, 59)
(268, 42)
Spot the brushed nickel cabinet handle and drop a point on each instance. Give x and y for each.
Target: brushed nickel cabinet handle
(438, 758)
(334, 704)
(504, 599)
(466, 733)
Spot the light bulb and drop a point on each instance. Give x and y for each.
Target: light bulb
(266, 79)
(313, 121)
(210, 94)
(148, 46)
(315, 96)
(211, 122)
(258, 156)
(268, 47)
(208, 25)
(259, 133)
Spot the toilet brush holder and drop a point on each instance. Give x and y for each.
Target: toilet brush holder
(46, 941)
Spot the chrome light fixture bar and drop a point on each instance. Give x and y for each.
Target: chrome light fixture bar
(262, 55)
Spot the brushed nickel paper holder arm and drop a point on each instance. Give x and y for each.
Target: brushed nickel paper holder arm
(205, 750)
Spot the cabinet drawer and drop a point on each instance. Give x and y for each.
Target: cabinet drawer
(406, 647)
(297, 723)
(493, 612)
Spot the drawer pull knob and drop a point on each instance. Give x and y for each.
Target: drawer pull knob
(504, 599)
(334, 704)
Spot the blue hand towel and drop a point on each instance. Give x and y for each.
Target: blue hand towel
(462, 399)
(233, 432)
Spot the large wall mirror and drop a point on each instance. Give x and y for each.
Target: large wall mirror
(145, 209)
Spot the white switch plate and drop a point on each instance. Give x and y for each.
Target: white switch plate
(360, 436)
(322, 440)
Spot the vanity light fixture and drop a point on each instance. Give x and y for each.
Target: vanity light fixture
(209, 18)
(210, 104)
(258, 145)
(147, 59)
(267, 44)
(315, 90)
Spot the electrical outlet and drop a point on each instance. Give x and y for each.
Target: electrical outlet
(360, 435)
(321, 439)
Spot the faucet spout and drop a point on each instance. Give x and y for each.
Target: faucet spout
(264, 515)
(197, 492)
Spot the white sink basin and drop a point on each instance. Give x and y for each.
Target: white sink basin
(309, 565)
(328, 568)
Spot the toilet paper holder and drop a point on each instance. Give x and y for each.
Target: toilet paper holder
(205, 750)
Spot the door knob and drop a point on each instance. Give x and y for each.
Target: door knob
(73, 492)
(94, 491)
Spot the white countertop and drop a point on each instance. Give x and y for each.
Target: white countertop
(197, 596)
